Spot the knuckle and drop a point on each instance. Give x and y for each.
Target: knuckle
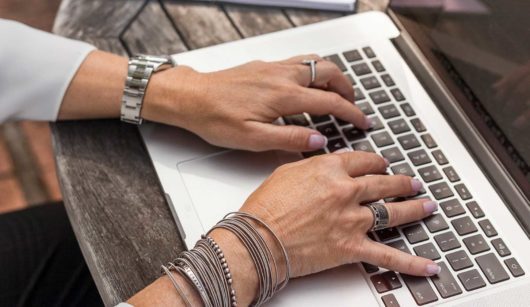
(387, 259)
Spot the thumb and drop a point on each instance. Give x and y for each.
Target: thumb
(292, 138)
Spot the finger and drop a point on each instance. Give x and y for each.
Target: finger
(289, 138)
(359, 163)
(393, 259)
(319, 102)
(404, 212)
(383, 186)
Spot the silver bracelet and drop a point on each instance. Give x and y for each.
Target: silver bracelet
(176, 285)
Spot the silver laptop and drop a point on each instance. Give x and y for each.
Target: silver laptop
(424, 74)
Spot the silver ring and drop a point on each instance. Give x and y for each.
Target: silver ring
(313, 66)
(381, 218)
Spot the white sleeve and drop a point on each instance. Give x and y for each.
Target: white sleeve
(35, 71)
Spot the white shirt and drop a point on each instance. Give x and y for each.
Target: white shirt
(35, 71)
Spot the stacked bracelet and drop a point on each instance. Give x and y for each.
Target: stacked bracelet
(206, 269)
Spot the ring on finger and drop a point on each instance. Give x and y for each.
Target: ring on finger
(381, 216)
(313, 67)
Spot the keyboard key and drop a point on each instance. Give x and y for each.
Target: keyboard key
(390, 300)
(440, 157)
(398, 96)
(366, 108)
(337, 61)
(328, 130)
(336, 144)
(375, 123)
(445, 283)
(399, 126)
(392, 154)
(317, 119)
(430, 173)
(447, 241)
(369, 268)
(420, 288)
(408, 141)
(379, 97)
(419, 157)
(452, 208)
(370, 83)
(363, 146)
(387, 80)
(313, 153)
(378, 66)
(488, 229)
(462, 190)
(385, 281)
(403, 169)
(475, 209)
(350, 78)
(407, 109)
(382, 139)
(500, 247)
(389, 111)
(418, 125)
(476, 244)
(400, 245)
(435, 223)
(341, 122)
(379, 283)
(464, 225)
(352, 55)
(492, 268)
(353, 134)
(440, 190)
(361, 69)
(415, 233)
(297, 120)
(471, 280)
(514, 267)
(359, 95)
(451, 174)
(392, 280)
(427, 250)
(369, 52)
(459, 260)
(387, 234)
(428, 140)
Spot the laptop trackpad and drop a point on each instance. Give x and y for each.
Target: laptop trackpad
(220, 183)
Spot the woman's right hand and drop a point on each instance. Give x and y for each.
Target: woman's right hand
(316, 208)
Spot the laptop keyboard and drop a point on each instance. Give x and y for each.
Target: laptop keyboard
(460, 238)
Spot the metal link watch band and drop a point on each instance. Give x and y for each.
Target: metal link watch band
(141, 67)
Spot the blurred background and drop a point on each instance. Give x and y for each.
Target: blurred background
(27, 165)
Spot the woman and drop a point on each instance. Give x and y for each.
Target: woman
(308, 216)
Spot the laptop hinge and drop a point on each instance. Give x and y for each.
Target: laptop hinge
(497, 174)
(176, 218)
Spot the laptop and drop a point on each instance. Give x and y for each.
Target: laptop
(424, 73)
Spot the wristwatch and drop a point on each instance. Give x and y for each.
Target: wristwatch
(141, 67)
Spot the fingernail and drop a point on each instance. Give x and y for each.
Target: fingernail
(386, 162)
(317, 141)
(433, 269)
(343, 150)
(430, 207)
(368, 123)
(416, 185)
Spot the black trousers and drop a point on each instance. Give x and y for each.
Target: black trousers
(40, 261)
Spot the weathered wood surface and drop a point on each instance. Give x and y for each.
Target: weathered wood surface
(110, 189)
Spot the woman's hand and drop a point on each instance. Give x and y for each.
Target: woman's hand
(237, 107)
(315, 206)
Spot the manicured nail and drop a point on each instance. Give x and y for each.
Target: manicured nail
(430, 207)
(433, 269)
(386, 162)
(317, 141)
(416, 185)
(343, 150)
(369, 124)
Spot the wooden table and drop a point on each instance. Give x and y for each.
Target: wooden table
(110, 189)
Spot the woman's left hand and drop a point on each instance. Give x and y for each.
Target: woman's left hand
(236, 107)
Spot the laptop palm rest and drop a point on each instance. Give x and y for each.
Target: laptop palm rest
(220, 183)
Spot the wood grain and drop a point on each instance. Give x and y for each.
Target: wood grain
(110, 189)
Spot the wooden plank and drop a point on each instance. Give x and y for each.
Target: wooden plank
(115, 203)
(252, 21)
(201, 25)
(152, 33)
(95, 18)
